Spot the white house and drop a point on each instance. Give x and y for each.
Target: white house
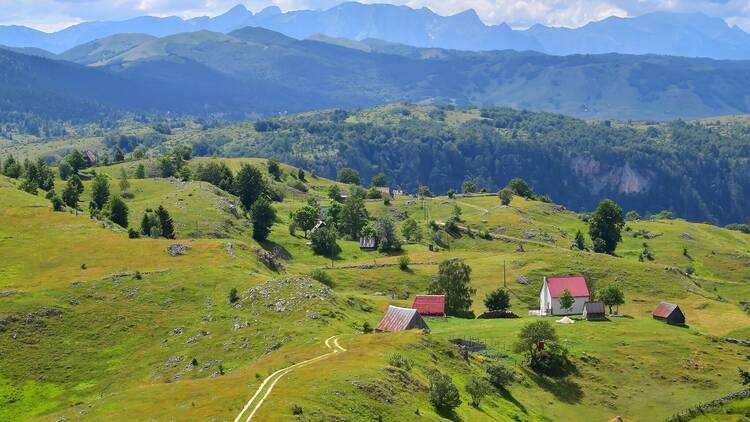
(553, 288)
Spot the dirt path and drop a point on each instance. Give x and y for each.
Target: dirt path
(267, 386)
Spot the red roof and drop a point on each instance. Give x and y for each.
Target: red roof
(430, 304)
(575, 284)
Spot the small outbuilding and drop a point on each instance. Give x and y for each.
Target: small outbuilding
(368, 243)
(400, 319)
(669, 313)
(594, 311)
(430, 305)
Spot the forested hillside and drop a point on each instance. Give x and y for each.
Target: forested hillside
(697, 170)
(255, 72)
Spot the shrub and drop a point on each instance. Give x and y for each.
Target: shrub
(497, 300)
(366, 327)
(399, 361)
(57, 203)
(233, 297)
(296, 410)
(403, 262)
(323, 242)
(322, 277)
(477, 388)
(500, 375)
(133, 233)
(443, 393)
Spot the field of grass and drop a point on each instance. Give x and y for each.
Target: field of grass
(117, 339)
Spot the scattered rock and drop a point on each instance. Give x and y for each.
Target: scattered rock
(686, 236)
(272, 348)
(48, 312)
(268, 259)
(8, 293)
(313, 315)
(197, 337)
(73, 301)
(523, 280)
(397, 214)
(177, 331)
(173, 361)
(529, 235)
(177, 249)
(230, 250)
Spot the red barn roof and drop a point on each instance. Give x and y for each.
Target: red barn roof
(430, 305)
(575, 284)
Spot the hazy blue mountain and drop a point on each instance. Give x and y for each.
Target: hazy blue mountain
(100, 50)
(31, 51)
(257, 71)
(692, 35)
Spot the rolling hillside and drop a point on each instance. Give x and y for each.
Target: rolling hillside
(138, 333)
(256, 72)
(696, 170)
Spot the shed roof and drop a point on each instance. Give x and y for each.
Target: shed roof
(594, 307)
(664, 309)
(398, 319)
(575, 284)
(429, 304)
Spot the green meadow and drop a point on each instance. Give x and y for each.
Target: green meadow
(96, 326)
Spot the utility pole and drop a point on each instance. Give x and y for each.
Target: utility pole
(505, 283)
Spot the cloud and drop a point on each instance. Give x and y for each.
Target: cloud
(56, 14)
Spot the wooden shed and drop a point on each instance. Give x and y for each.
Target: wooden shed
(368, 243)
(594, 311)
(669, 313)
(399, 319)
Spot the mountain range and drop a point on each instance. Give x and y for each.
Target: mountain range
(255, 71)
(664, 33)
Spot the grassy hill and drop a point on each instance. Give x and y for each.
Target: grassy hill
(117, 339)
(694, 169)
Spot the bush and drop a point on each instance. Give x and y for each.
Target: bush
(296, 410)
(322, 277)
(403, 262)
(233, 297)
(477, 389)
(500, 375)
(443, 393)
(323, 242)
(497, 300)
(133, 233)
(399, 361)
(366, 327)
(57, 203)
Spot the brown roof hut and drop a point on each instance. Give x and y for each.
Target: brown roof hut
(399, 319)
(594, 311)
(669, 313)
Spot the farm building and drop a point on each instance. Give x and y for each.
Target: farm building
(594, 311)
(553, 288)
(669, 313)
(429, 305)
(90, 157)
(368, 243)
(399, 319)
(385, 192)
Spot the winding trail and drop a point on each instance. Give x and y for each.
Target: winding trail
(267, 386)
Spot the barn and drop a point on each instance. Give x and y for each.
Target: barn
(669, 313)
(399, 319)
(553, 288)
(430, 305)
(594, 311)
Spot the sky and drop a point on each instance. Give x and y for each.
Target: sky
(52, 15)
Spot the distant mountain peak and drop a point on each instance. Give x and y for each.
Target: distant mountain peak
(270, 11)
